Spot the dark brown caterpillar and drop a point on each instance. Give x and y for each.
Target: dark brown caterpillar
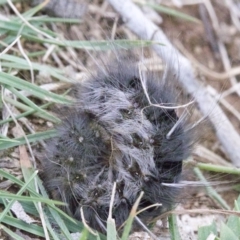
(122, 128)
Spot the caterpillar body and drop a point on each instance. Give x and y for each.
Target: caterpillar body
(122, 128)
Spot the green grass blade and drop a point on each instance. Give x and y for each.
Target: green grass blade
(18, 83)
(32, 11)
(10, 233)
(7, 140)
(226, 233)
(27, 113)
(218, 168)
(29, 199)
(169, 11)
(8, 39)
(21, 63)
(18, 195)
(19, 224)
(33, 191)
(173, 228)
(111, 229)
(233, 222)
(38, 53)
(93, 45)
(84, 234)
(24, 107)
(10, 177)
(56, 73)
(27, 172)
(128, 225)
(46, 19)
(31, 138)
(23, 188)
(2, 2)
(211, 192)
(205, 231)
(13, 27)
(34, 106)
(111, 226)
(55, 214)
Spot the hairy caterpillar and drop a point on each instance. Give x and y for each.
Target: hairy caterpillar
(122, 128)
(102, 104)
